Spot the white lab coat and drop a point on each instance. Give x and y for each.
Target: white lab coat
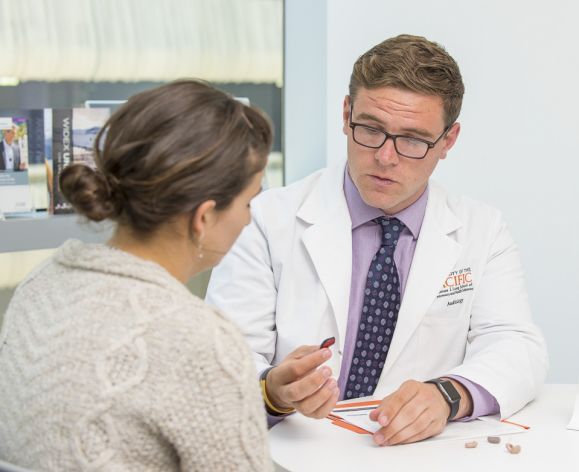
(286, 282)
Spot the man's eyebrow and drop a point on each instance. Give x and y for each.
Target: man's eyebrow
(405, 131)
(420, 132)
(369, 116)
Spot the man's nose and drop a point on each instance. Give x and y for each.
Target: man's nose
(387, 153)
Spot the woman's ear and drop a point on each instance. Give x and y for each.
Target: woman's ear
(203, 217)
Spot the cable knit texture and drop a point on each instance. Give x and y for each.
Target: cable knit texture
(109, 363)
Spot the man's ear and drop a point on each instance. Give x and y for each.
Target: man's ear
(346, 114)
(450, 139)
(203, 217)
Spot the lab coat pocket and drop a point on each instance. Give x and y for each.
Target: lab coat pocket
(442, 338)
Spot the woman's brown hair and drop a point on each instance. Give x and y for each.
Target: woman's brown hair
(166, 151)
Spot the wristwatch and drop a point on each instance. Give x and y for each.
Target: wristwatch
(449, 393)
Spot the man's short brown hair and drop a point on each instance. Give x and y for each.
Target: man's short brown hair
(412, 63)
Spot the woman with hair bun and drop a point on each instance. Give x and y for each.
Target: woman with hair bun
(107, 361)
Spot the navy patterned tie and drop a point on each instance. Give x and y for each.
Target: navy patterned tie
(379, 314)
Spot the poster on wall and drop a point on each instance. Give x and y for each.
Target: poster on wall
(74, 131)
(15, 196)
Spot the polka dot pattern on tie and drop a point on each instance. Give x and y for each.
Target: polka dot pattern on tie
(379, 314)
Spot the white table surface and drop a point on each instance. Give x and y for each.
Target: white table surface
(302, 444)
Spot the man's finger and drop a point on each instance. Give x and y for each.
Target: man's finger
(412, 420)
(289, 372)
(408, 414)
(433, 429)
(302, 351)
(390, 407)
(328, 405)
(308, 385)
(305, 388)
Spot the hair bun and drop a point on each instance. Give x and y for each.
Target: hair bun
(89, 192)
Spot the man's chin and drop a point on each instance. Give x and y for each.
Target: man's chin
(382, 203)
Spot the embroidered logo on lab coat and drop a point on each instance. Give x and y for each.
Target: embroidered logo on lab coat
(457, 282)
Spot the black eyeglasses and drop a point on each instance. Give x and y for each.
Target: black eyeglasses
(412, 148)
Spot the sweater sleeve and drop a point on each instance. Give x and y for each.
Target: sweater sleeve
(211, 410)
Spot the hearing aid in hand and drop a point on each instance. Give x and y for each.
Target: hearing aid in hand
(328, 342)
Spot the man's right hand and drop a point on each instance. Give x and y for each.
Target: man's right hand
(299, 382)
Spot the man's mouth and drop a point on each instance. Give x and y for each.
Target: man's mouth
(382, 180)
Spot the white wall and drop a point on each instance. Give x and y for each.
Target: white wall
(519, 146)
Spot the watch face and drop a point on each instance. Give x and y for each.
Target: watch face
(450, 391)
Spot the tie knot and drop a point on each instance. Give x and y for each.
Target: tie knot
(391, 229)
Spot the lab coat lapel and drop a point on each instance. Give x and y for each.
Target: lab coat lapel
(328, 242)
(435, 255)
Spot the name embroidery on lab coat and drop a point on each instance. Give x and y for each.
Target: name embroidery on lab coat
(458, 281)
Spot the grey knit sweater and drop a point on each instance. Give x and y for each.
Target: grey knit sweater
(109, 363)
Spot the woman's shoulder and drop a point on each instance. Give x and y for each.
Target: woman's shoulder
(197, 327)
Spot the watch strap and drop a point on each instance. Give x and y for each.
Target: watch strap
(449, 393)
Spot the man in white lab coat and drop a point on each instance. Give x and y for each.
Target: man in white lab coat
(423, 291)
(10, 152)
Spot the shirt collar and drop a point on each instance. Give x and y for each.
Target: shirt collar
(361, 213)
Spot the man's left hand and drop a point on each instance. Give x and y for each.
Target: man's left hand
(414, 412)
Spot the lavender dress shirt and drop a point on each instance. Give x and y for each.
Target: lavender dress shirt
(366, 238)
